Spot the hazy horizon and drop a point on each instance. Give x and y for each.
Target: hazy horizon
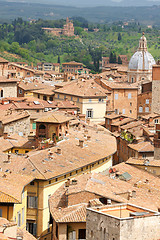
(91, 3)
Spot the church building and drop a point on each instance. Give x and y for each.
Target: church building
(140, 65)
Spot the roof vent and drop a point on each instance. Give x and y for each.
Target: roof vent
(81, 143)
(88, 137)
(59, 150)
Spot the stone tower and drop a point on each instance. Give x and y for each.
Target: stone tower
(156, 89)
(157, 143)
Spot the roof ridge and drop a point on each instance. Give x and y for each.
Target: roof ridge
(73, 212)
(10, 196)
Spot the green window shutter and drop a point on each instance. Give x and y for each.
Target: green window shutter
(33, 125)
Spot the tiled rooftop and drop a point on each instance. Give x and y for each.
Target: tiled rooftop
(83, 88)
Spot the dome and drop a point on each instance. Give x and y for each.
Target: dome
(141, 61)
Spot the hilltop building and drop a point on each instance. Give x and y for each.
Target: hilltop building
(67, 30)
(140, 65)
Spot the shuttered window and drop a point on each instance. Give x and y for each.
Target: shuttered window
(32, 202)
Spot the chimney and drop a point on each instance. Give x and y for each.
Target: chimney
(88, 138)
(88, 120)
(9, 157)
(67, 183)
(81, 143)
(133, 194)
(59, 150)
(109, 202)
(50, 155)
(5, 135)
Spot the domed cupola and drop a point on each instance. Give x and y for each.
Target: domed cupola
(140, 64)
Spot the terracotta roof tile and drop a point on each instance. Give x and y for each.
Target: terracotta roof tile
(83, 88)
(142, 147)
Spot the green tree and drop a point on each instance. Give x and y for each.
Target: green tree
(119, 37)
(119, 60)
(59, 60)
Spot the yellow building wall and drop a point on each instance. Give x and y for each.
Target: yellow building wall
(41, 96)
(18, 208)
(49, 189)
(20, 150)
(152, 169)
(77, 100)
(7, 212)
(28, 94)
(98, 108)
(52, 129)
(76, 227)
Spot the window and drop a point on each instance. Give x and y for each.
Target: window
(50, 98)
(77, 99)
(11, 129)
(1, 93)
(116, 96)
(82, 234)
(144, 155)
(90, 100)
(156, 121)
(140, 109)
(0, 212)
(28, 73)
(129, 95)
(32, 183)
(64, 97)
(147, 101)
(71, 98)
(45, 98)
(89, 114)
(58, 96)
(48, 227)
(130, 104)
(123, 111)
(100, 100)
(116, 111)
(19, 219)
(32, 228)
(48, 199)
(32, 202)
(22, 215)
(20, 91)
(132, 80)
(49, 181)
(33, 125)
(130, 111)
(146, 109)
(16, 151)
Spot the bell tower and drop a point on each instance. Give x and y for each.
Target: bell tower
(143, 43)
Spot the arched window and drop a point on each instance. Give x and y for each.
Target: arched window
(42, 126)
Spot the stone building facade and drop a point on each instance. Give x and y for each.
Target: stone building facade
(122, 222)
(3, 67)
(8, 87)
(15, 123)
